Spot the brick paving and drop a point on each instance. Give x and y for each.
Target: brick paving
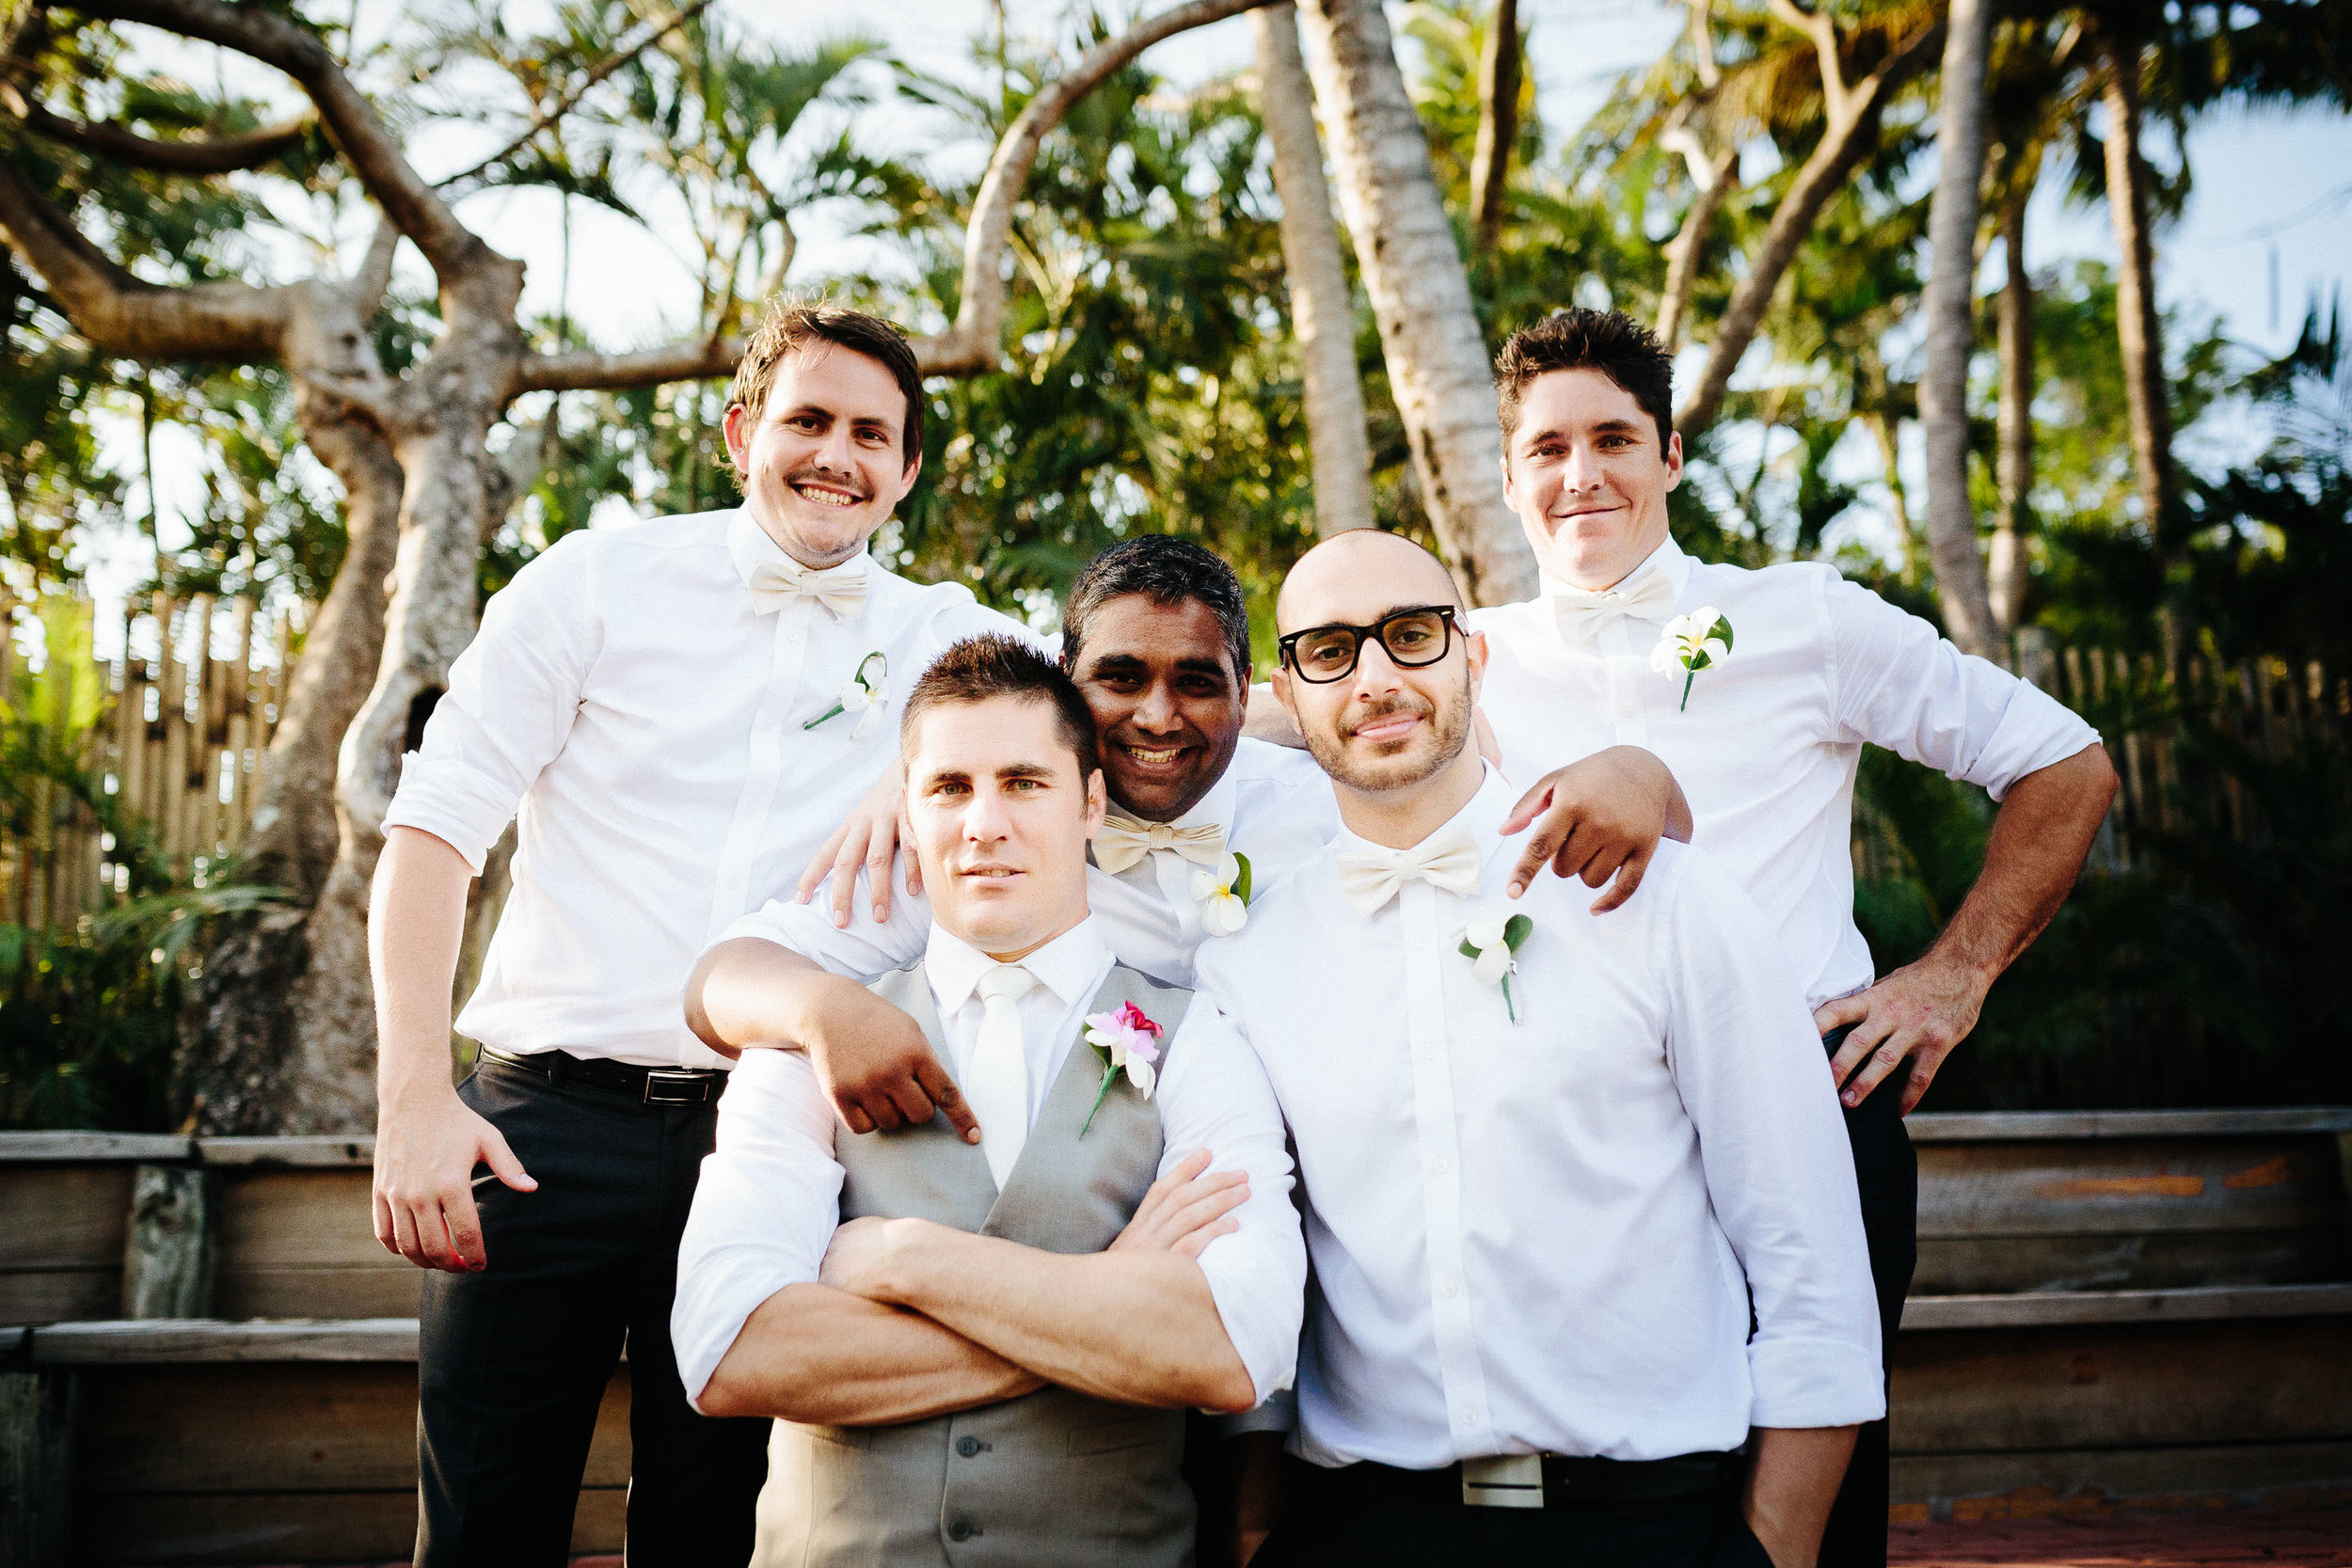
(2212, 1538)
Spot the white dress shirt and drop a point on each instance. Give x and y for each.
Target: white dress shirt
(1276, 807)
(770, 1195)
(649, 723)
(1543, 1235)
(1766, 751)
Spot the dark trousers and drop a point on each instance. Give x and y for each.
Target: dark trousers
(1324, 1530)
(514, 1360)
(1887, 1171)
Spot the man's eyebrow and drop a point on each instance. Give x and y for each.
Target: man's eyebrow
(946, 775)
(1204, 666)
(1026, 770)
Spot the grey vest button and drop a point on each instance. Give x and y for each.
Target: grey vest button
(969, 1445)
(963, 1529)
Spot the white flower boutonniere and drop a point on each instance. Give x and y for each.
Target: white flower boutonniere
(1489, 943)
(1124, 1039)
(1223, 890)
(1692, 642)
(865, 695)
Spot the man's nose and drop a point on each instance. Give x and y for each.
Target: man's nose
(1376, 674)
(984, 819)
(1157, 711)
(1582, 472)
(836, 452)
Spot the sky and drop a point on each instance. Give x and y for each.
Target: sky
(2268, 229)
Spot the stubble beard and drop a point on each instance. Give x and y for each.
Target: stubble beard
(1449, 733)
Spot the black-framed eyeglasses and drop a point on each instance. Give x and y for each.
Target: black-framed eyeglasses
(1410, 638)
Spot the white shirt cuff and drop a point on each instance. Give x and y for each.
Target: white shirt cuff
(462, 809)
(2036, 730)
(1815, 1383)
(1265, 1333)
(712, 1308)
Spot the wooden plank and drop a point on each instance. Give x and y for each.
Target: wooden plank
(2131, 1185)
(315, 1427)
(64, 1216)
(299, 1242)
(2005, 1126)
(60, 1295)
(393, 1291)
(168, 1257)
(2115, 1385)
(1972, 1265)
(352, 1527)
(289, 1152)
(2048, 1308)
(2089, 1482)
(55, 1148)
(165, 1342)
(37, 1425)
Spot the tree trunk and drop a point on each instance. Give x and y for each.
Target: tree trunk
(440, 419)
(1498, 124)
(1323, 313)
(2014, 465)
(237, 1039)
(2139, 332)
(1952, 213)
(1714, 178)
(1405, 248)
(1852, 132)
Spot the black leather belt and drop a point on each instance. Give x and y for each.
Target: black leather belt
(649, 1086)
(1566, 1483)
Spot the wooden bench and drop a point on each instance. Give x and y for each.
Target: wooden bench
(2119, 1309)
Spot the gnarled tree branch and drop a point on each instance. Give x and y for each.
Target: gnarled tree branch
(350, 120)
(196, 155)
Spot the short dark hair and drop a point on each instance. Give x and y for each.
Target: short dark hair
(995, 664)
(791, 324)
(1168, 572)
(1609, 342)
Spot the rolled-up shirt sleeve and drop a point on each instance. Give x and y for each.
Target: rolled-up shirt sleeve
(1901, 685)
(1779, 1170)
(865, 950)
(1215, 1095)
(764, 1211)
(513, 695)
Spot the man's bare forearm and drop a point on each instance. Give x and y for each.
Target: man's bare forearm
(416, 920)
(823, 1357)
(751, 992)
(1792, 1481)
(1133, 1326)
(2040, 834)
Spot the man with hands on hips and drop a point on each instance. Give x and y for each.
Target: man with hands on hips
(1762, 713)
(983, 1352)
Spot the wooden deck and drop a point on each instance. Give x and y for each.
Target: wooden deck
(2115, 1312)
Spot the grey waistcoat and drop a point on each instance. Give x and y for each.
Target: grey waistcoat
(1054, 1478)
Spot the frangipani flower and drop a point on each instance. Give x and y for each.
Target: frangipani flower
(1490, 942)
(1692, 642)
(1126, 1040)
(1223, 890)
(865, 695)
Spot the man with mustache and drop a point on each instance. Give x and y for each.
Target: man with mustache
(1762, 713)
(679, 711)
(1548, 1158)
(1156, 634)
(985, 1354)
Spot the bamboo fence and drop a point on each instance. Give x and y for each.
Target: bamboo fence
(181, 746)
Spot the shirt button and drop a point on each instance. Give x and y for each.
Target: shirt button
(963, 1529)
(1451, 1288)
(1442, 1165)
(969, 1445)
(1469, 1418)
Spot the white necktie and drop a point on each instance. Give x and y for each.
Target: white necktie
(1123, 841)
(1371, 876)
(1582, 613)
(782, 580)
(997, 1081)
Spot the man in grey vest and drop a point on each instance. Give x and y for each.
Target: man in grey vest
(984, 1351)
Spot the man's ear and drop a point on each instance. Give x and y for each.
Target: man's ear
(1674, 459)
(906, 479)
(1098, 801)
(1510, 492)
(1474, 649)
(738, 424)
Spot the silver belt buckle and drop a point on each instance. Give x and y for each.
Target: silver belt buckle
(684, 1078)
(1503, 1481)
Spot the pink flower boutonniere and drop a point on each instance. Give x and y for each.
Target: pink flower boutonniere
(1125, 1039)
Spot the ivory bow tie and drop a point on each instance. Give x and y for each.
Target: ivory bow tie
(1123, 841)
(1371, 876)
(1582, 613)
(777, 583)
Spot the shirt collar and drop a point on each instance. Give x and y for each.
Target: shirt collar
(748, 545)
(1667, 558)
(1071, 966)
(1482, 816)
